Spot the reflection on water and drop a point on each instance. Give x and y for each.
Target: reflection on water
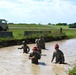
(14, 62)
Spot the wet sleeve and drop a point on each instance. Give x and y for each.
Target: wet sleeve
(21, 47)
(30, 55)
(62, 55)
(38, 56)
(28, 48)
(53, 56)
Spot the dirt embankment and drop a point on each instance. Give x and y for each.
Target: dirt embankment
(29, 41)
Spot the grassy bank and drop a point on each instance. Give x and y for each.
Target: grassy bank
(73, 72)
(18, 29)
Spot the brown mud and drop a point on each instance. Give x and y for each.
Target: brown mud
(14, 62)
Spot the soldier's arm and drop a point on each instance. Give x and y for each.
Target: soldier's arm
(63, 59)
(37, 55)
(31, 56)
(53, 57)
(20, 47)
(28, 48)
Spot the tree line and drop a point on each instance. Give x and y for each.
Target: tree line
(73, 25)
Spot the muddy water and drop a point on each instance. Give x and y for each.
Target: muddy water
(14, 62)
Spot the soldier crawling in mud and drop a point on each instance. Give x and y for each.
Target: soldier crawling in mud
(58, 54)
(34, 56)
(25, 48)
(42, 42)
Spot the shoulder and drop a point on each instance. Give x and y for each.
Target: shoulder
(54, 52)
(60, 51)
(31, 54)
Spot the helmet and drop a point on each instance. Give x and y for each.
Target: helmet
(34, 48)
(56, 46)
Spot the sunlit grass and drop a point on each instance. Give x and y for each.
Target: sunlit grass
(18, 29)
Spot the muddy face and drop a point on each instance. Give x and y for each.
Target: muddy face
(14, 62)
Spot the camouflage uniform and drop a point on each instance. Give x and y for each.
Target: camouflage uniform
(59, 57)
(42, 43)
(25, 48)
(38, 46)
(36, 57)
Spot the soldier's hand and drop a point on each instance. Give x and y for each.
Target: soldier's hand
(18, 48)
(33, 57)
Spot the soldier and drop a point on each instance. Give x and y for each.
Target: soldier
(42, 42)
(58, 54)
(25, 48)
(38, 45)
(34, 56)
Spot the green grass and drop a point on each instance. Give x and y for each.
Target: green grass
(28, 27)
(73, 72)
(56, 26)
(70, 32)
(18, 29)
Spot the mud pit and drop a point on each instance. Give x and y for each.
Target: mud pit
(14, 62)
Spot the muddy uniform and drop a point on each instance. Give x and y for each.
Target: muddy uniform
(59, 56)
(38, 46)
(25, 48)
(42, 43)
(39, 49)
(36, 57)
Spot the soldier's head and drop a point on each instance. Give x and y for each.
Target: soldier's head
(56, 47)
(34, 49)
(36, 41)
(23, 42)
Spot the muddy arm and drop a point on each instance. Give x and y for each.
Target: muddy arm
(53, 57)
